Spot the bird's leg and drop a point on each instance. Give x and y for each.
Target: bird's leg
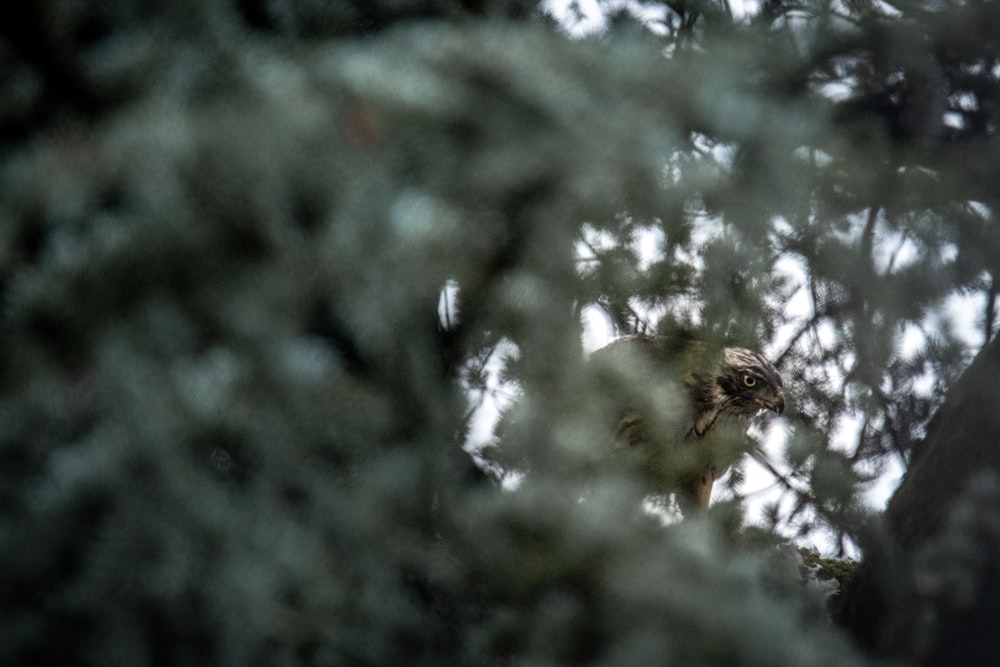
(695, 492)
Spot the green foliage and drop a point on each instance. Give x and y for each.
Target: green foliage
(231, 422)
(836, 569)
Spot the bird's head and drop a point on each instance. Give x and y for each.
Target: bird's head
(749, 383)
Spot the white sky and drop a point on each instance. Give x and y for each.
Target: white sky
(584, 17)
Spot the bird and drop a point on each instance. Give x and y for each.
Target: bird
(687, 412)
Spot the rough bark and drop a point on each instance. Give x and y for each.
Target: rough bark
(929, 588)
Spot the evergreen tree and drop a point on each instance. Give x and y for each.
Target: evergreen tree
(232, 417)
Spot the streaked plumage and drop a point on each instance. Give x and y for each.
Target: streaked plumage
(724, 394)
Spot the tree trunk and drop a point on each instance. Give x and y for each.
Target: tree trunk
(929, 587)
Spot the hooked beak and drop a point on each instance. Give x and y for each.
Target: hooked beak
(775, 402)
(778, 404)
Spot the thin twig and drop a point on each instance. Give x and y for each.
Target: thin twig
(991, 311)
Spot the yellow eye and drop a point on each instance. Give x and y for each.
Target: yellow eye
(749, 381)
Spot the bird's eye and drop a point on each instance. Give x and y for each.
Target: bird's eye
(749, 381)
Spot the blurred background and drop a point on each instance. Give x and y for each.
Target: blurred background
(297, 297)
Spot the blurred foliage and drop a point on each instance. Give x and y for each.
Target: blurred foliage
(231, 421)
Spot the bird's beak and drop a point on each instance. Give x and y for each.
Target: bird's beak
(775, 402)
(778, 404)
